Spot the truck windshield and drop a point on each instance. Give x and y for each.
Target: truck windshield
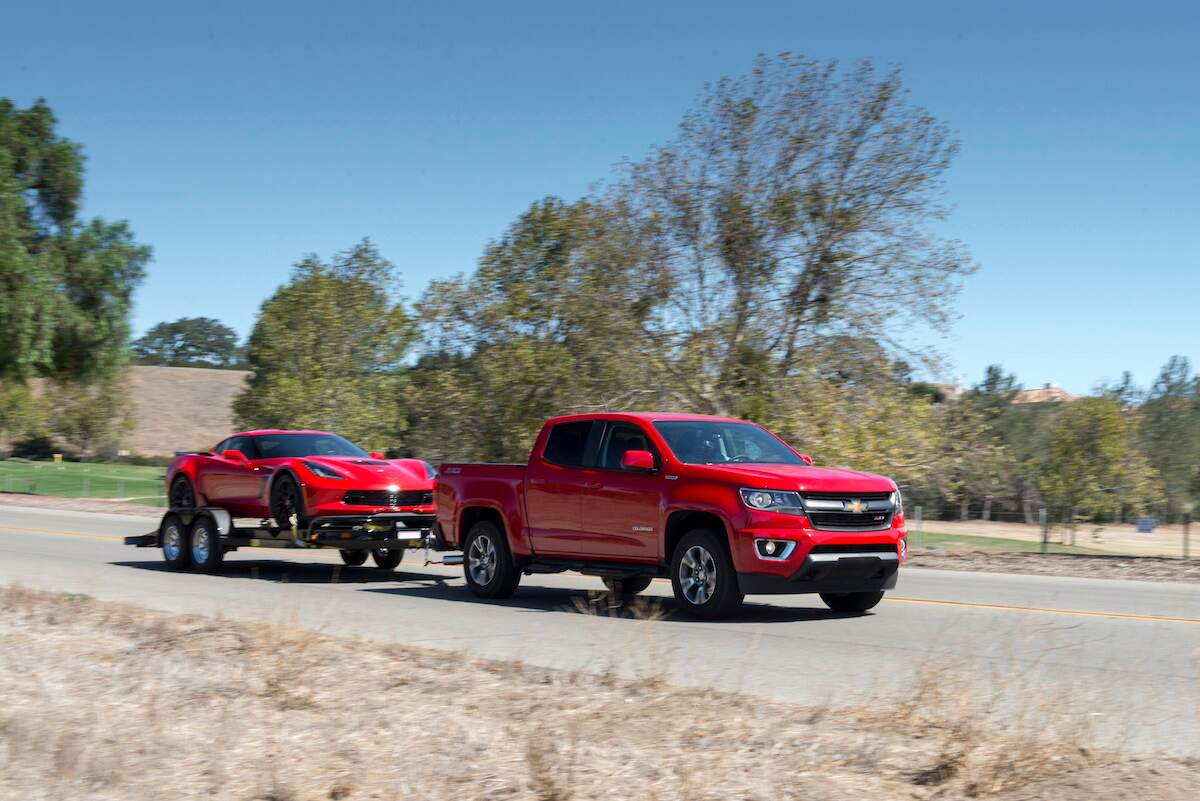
(716, 442)
(275, 446)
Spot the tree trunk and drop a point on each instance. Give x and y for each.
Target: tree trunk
(964, 509)
(987, 509)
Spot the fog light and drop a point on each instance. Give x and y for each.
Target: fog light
(774, 549)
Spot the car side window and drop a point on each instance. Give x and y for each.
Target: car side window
(243, 444)
(620, 438)
(567, 444)
(221, 447)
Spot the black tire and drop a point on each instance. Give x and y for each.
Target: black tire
(851, 602)
(487, 562)
(703, 552)
(628, 587)
(354, 558)
(387, 558)
(287, 500)
(208, 553)
(176, 544)
(182, 494)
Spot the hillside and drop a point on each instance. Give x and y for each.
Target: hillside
(181, 408)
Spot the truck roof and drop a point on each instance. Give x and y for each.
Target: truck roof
(645, 417)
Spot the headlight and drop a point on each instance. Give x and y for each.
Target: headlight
(430, 470)
(773, 501)
(323, 472)
(897, 502)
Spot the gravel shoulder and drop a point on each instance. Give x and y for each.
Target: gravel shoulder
(1140, 568)
(106, 701)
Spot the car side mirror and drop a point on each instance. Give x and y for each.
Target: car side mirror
(235, 456)
(804, 457)
(638, 461)
(377, 455)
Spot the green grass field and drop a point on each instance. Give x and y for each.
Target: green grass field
(134, 483)
(968, 542)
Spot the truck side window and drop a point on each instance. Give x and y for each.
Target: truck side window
(622, 438)
(567, 444)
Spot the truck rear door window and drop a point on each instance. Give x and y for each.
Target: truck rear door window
(567, 444)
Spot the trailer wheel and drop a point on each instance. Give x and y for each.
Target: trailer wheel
(487, 563)
(208, 552)
(176, 548)
(387, 558)
(851, 602)
(628, 587)
(354, 558)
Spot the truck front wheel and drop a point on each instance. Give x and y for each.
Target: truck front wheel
(703, 577)
(487, 563)
(851, 602)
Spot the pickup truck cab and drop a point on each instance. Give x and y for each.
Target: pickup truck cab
(722, 507)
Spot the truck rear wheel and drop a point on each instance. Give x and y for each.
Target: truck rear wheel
(851, 602)
(387, 558)
(487, 562)
(703, 577)
(354, 558)
(627, 587)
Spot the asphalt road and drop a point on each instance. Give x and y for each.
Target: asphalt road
(1120, 657)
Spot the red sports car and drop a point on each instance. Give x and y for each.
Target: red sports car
(295, 476)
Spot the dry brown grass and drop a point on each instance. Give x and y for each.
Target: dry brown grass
(104, 701)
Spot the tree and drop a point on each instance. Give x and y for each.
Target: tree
(90, 418)
(794, 205)
(1171, 431)
(1092, 465)
(328, 351)
(189, 342)
(67, 284)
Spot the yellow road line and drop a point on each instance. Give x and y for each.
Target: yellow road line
(1043, 610)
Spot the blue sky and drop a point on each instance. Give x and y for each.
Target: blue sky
(237, 137)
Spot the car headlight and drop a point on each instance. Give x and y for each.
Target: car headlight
(897, 502)
(430, 470)
(780, 501)
(322, 471)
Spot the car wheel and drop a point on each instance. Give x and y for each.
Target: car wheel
(628, 587)
(177, 552)
(207, 551)
(487, 563)
(387, 558)
(703, 577)
(851, 602)
(182, 495)
(354, 558)
(287, 504)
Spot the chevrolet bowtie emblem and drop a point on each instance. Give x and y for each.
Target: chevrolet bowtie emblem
(855, 506)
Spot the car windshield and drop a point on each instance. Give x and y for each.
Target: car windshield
(718, 442)
(275, 446)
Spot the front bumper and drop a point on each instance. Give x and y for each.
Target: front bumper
(812, 560)
(869, 571)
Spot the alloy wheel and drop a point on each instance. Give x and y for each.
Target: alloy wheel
(698, 575)
(481, 560)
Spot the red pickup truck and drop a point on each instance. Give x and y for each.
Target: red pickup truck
(723, 507)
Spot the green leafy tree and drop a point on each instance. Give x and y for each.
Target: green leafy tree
(1171, 431)
(67, 283)
(189, 342)
(1092, 466)
(90, 418)
(328, 351)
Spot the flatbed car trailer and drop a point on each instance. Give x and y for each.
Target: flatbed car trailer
(200, 538)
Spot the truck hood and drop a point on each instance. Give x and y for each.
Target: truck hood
(368, 473)
(797, 477)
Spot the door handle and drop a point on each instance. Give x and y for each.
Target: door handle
(592, 485)
(537, 482)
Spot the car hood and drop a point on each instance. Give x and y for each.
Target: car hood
(368, 473)
(797, 477)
